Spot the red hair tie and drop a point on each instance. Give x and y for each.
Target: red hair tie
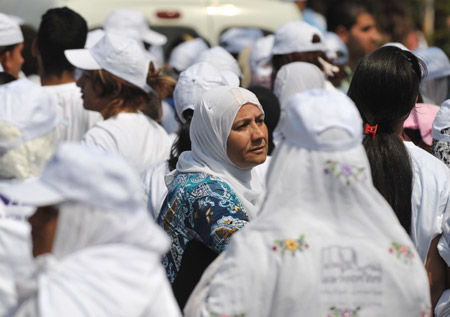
(371, 129)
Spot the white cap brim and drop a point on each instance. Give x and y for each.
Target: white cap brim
(34, 193)
(154, 38)
(82, 59)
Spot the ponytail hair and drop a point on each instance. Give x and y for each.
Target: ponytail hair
(127, 97)
(384, 87)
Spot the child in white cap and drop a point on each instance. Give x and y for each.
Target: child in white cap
(11, 46)
(120, 82)
(98, 253)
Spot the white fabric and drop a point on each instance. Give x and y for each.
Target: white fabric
(10, 32)
(138, 138)
(442, 121)
(221, 59)
(260, 59)
(209, 131)
(183, 55)
(29, 108)
(297, 77)
(103, 263)
(234, 40)
(93, 37)
(133, 24)
(117, 54)
(336, 49)
(69, 107)
(434, 88)
(15, 252)
(196, 80)
(297, 36)
(154, 188)
(321, 245)
(430, 197)
(168, 120)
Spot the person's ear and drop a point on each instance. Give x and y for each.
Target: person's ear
(34, 48)
(118, 89)
(6, 60)
(343, 33)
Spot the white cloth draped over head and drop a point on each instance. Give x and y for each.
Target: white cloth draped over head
(103, 263)
(326, 243)
(209, 131)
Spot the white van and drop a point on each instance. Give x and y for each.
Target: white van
(207, 18)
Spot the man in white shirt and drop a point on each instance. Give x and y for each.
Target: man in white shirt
(61, 29)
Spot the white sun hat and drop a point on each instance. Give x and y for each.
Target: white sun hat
(184, 54)
(261, 54)
(438, 64)
(308, 116)
(29, 108)
(234, 40)
(196, 80)
(134, 24)
(81, 173)
(10, 32)
(117, 54)
(297, 36)
(442, 121)
(221, 59)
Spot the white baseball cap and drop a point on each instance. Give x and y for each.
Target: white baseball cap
(29, 108)
(437, 62)
(336, 51)
(313, 113)
(221, 59)
(234, 40)
(442, 121)
(196, 80)
(297, 36)
(183, 55)
(133, 24)
(10, 32)
(117, 54)
(84, 174)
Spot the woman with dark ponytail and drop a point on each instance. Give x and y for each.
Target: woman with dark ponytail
(385, 88)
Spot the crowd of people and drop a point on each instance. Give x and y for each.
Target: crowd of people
(299, 173)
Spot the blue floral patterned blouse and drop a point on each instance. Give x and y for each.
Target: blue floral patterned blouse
(199, 206)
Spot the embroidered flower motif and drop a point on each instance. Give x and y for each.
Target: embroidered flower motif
(402, 251)
(347, 171)
(338, 312)
(292, 245)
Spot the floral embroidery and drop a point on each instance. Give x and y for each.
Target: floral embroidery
(337, 312)
(402, 251)
(218, 315)
(348, 171)
(291, 245)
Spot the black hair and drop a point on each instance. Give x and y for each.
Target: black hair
(345, 13)
(183, 140)
(384, 87)
(6, 78)
(271, 107)
(30, 64)
(60, 29)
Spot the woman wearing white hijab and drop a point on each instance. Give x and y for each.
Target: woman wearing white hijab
(97, 251)
(326, 242)
(215, 188)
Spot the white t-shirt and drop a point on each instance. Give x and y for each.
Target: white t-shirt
(154, 187)
(69, 107)
(430, 197)
(138, 138)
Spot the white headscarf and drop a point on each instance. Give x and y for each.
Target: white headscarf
(326, 242)
(209, 131)
(103, 263)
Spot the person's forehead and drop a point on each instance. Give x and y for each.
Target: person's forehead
(364, 20)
